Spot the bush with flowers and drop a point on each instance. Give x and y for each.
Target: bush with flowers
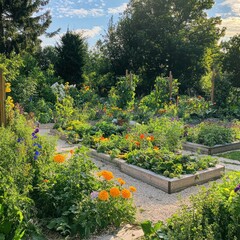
(62, 192)
(212, 214)
(76, 199)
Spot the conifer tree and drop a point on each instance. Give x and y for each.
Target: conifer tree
(21, 23)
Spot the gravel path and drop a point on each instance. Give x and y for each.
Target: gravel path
(152, 203)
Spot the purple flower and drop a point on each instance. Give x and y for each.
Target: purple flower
(36, 130)
(94, 194)
(37, 153)
(237, 188)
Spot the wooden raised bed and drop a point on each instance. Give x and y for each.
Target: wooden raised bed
(194, 147)
(168, 185)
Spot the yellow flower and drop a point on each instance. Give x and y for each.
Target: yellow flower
(103, 195)
(114, 192)
(126, 193)
(121, 181)
(132, 189)
(59, 158)
(107, 175)
(7, 87)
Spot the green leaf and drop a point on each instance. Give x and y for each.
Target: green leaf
(147, 227)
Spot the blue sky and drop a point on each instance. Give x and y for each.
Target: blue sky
(91, 17)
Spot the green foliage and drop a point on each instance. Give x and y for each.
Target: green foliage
(167, 163)
(190, 107)
(231, 59)
(20, 32)
(71, 58)
(167, 132)
(65, 201)
(123, 95)
(151, 45)
(213, 214)
(211, 134)
(18, 175)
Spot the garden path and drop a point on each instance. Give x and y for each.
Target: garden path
(152, 203)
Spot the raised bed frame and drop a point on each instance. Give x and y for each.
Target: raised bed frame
(194, 147)
(168, 185)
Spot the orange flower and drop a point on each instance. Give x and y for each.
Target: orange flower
(137, 143)
(121, 181)
(103, 195)
(127, 136)
(132, 189)
(126, 193)
(71, 151)
(107, 175)
(142, 136)
(59, 158)
(45, 180)
(151, 138)
(156, 148)
(114, 192)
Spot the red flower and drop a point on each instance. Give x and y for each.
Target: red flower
(142, 136)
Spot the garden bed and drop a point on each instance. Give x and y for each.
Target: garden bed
(168, 185)
(195, 147)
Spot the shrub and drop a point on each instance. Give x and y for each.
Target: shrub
(213, 214)
(211, 134)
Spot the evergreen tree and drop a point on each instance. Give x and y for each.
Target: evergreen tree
(71, 58)
(21, 25)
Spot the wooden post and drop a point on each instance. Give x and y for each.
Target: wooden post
(170, 84)
(2, 100)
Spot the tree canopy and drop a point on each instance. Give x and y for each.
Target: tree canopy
(231, 60)
(157, 36)
(21, 23)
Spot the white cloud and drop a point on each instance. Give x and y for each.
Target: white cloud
(89, 33)
(234, 5)
(81, 12)
(233, 26)
(118, 9)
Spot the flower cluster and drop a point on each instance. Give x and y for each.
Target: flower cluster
(7, 87)
(114, 191)
(59, 158)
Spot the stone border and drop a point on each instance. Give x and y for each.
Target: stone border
(194, 147)
(168, 185)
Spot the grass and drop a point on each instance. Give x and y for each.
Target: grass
(231, 155)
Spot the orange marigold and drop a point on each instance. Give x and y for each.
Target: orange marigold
(103, 195)
(121, 181)
(71, 151)
(114, 192)
(107, 175)
(156, 148)
(127, 136)
(151, 138)
(45, 180)
(132, 189)
(59, 158)
(126, 193)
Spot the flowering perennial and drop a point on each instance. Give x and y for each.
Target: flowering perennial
(103, 195)
(59, 158)
(114, 192)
